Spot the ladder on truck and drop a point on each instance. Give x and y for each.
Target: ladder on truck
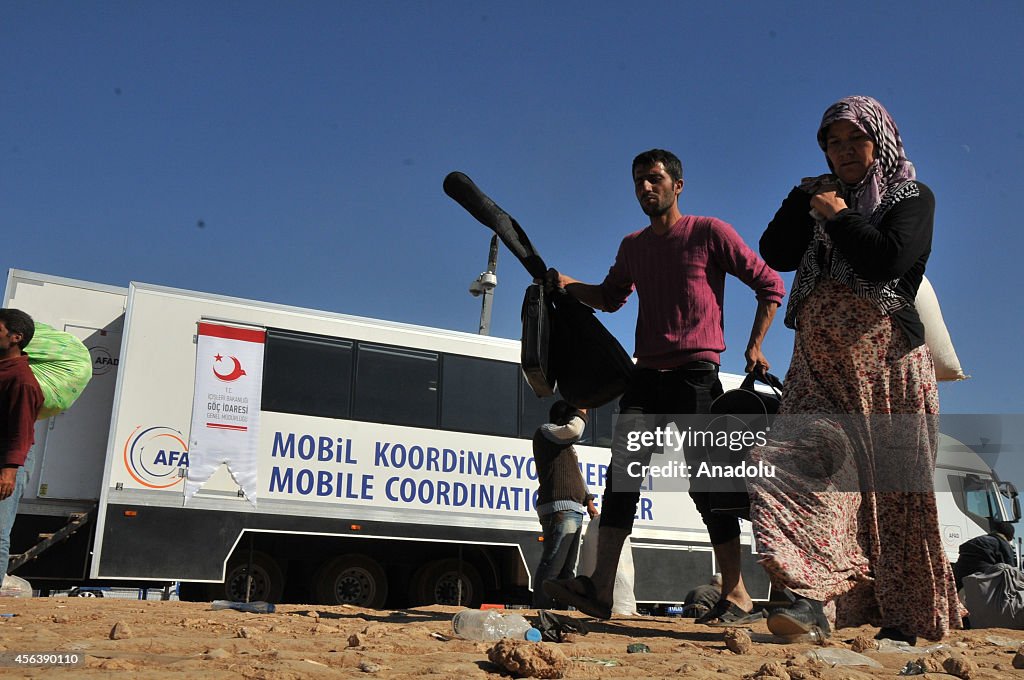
(76, 520)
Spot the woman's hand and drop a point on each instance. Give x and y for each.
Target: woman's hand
(828, 203)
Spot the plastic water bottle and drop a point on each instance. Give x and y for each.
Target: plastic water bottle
(837, 656)
(14, 586)
(491, 625)
(814, 636)
(259, 607)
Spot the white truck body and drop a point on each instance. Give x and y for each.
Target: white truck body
(346, 509)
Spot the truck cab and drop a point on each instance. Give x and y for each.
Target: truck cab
(969, 495)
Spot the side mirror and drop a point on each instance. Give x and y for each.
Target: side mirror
(1010, 491)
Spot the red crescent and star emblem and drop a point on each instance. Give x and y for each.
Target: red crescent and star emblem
(235, 372)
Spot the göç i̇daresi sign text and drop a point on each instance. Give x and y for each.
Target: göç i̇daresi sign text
(226, 408)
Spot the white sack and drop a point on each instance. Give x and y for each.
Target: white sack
(623, 600)
(947, 365)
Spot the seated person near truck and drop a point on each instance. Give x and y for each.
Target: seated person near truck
(703, 598)
(982, 552)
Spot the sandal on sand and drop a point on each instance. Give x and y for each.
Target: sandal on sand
(586, 601)
(725, 613)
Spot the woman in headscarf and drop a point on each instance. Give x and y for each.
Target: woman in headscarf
(850, 517)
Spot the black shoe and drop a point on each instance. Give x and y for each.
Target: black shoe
(896, 635)
(800, 618)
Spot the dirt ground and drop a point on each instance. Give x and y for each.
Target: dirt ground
(153, 639)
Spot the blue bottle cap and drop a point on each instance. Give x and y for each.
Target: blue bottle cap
(533, 635)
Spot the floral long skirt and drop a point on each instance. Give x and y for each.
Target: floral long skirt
(850, 515)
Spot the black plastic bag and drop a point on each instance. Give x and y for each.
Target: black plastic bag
(591, 367)
(553, 627)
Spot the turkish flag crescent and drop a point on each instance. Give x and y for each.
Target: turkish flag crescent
(226, 406)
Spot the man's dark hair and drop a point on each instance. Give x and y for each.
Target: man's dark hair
(1004, 528)
(18, 321)
(561, 411)
(650, 158)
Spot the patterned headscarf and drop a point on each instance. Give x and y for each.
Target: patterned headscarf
(885, 182)
(891, 166)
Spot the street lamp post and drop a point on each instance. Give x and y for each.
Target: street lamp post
(484, 286)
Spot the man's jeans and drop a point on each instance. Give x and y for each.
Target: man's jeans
(562, 531)
(9, 509)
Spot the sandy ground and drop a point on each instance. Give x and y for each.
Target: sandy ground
(188, 639)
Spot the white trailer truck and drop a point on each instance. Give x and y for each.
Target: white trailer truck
(380, 464)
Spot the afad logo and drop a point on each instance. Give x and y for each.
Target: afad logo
(102, 362)
(231, 375)
(154, 455)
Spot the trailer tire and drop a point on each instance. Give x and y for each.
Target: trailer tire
(267, 579)
(355, 580)
(437, 582)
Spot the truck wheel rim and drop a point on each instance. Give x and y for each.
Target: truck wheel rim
(355, 586)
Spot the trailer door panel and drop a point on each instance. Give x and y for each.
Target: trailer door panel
(76, 443)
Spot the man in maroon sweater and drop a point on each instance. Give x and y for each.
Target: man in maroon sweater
(20, 401)
(677, 265)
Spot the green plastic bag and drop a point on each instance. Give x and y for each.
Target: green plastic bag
(61, 364)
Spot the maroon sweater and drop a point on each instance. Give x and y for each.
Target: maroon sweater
(20, 401)
(679, 278)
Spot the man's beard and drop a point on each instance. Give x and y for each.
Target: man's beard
(655, 209)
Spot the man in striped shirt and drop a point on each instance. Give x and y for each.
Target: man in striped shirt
(677, 265)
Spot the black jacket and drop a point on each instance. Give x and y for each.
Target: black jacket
(980, 553)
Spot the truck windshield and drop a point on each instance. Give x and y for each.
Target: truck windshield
(983, 499)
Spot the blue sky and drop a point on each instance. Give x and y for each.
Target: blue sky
(294, 152)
